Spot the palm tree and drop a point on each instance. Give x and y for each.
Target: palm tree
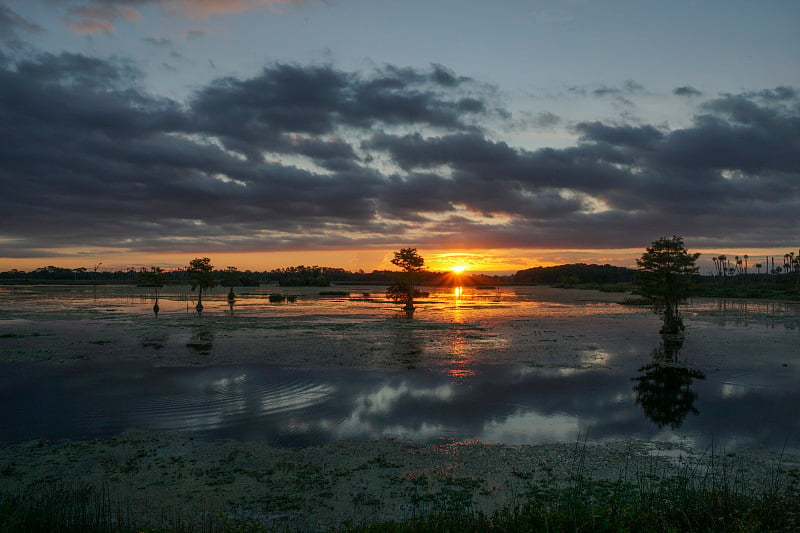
(746, 257)
(797, 268)
(758, 268)
(723, 261)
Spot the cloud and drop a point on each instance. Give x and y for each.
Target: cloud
(641, 137)
(255, 114)
(546, 120)
(159, 42)
(98, 18)
(686, 90)
(778, 94)
(629, 87)
(10, 22)
(310, 156)
(209, 8)
(195, 33)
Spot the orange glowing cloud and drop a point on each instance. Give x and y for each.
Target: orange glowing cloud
(92, 19)
(90, 27)
(210, 8)
(98, 19)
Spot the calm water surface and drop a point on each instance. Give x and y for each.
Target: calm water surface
(734, 382)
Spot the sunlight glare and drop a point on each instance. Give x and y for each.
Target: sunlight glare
(458, 269)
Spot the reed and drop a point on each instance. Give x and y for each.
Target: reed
(704, 496)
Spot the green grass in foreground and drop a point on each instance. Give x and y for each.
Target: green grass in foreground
(667, 504)
(611, 507)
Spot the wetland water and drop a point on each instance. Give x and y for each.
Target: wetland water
(515, 366)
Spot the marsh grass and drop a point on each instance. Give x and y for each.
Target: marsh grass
(56, 508)
(636, 301)
(83, 508)
(712, 498)
(701, 496)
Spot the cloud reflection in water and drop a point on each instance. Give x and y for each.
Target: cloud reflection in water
(496, 403)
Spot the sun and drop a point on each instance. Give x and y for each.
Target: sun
(458, 269)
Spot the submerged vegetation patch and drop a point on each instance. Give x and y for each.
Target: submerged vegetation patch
(23, 335)
(691, 497)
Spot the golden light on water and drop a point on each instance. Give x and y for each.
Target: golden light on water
(460, 362)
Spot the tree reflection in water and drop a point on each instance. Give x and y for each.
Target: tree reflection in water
(407, 346)
(664, 388)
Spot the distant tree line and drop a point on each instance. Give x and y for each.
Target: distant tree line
(737, 271)
(574, 274)
(300, 275)
(748, 271)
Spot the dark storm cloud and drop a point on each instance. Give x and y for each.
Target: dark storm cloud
(777, 94)
(444, 76)
(303, 157)
(256, 112)
(641, 137)
(686, 90)
(472, 156)
(70, 70)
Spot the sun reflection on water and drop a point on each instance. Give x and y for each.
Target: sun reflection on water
(460, 364)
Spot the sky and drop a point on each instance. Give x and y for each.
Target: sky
(499, 135)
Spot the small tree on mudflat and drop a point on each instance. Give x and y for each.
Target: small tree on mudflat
(402, 290)
(665, 272)
(154, 278)
(202, 277)
(231, 278)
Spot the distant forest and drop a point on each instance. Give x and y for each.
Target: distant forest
(574, 274)
(323, 276)
(730, 276)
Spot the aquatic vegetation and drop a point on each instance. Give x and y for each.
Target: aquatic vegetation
(704, 495)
